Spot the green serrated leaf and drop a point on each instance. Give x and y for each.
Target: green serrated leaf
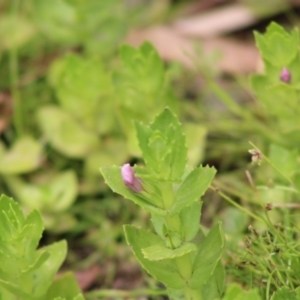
(144, 67)
(113, 179)
(192, 188)
(164, 271)
(235, 292)
(275, 41)
(15, 290)
(161, 252)
(65, 286)
(208, 256)
(11, 218)
(83, 88)
(163, 146)
(43, 277)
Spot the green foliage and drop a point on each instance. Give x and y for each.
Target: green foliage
(52, 198)
(284, 293)
(24, 156)
(142, 88)
(25, 272)
(275, 41)
(156, 142)
(75, 106)
(279, 99)
(165, 270)
(235, 292)
(77, 22)
(179, 255)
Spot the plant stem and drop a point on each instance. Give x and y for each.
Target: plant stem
(184, 265)
(241, 208)
(14, 71)
(167, 194)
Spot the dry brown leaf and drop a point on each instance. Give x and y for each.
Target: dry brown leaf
(236, 57)
(216, 22)
(87, 277)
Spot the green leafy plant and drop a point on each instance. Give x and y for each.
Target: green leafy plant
(27, 273)
(178, 253)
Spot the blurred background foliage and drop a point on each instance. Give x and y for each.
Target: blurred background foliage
(70, 86)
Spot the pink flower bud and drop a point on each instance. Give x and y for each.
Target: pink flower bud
(285, 75)
(129, 179)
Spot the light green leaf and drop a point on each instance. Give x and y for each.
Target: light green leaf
(235, 221)
(42, 278)
(15, 290)
(208, 256)
(190, 220)
(112, 151)
(112, 177)
(235, 292)
(144, 67)
(65, 286)
(12, 218)
(163, 146)
(63, 191)
(83, 88)
(65, 134)
(192, 188)
(160, 252)
(286, 161)
(15, 31)
(159, 225)
(275, 41)
(54, 196)
(56, 20)
(164, 271)
(195, 141)
(24, 156)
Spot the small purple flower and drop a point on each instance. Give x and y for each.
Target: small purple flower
(129, 179)
(285, 75)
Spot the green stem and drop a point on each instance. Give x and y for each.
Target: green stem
(167, 194)
(173, 223)
(13, 72)
(184, 265)
(241, 208)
